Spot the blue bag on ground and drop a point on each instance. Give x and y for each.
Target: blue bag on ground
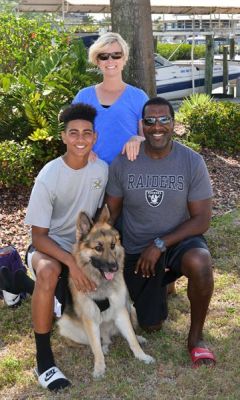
(10, 263)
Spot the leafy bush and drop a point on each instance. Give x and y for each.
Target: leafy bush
(43, 79)
(182, 53)
(32, 99)
(194, 146)
(16, 164)
(23, 39)
(41, 71)
(192, 102)
(212, 124)
(29, 108)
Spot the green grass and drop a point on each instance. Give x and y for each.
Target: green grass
(171, 377)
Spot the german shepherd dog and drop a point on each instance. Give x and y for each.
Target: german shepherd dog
(99, 252)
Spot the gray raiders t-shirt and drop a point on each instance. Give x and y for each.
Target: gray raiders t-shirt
(155, 192)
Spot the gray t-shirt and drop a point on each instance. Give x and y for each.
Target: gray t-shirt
(156, 192)
(60, 192)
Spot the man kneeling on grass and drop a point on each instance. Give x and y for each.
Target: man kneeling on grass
(63, 187)
(165, 200)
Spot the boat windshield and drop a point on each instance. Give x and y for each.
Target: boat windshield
(161, 61)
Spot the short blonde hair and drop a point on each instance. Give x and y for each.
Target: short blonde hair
(104, 40)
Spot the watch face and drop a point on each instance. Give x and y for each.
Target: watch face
(160, 244)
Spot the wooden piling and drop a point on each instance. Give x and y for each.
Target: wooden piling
(155, 43)
(238, 88)
(209, 64)
(225, 69)
(232, 48)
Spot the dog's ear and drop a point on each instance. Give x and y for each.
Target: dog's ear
(105, 215)
(84, 224)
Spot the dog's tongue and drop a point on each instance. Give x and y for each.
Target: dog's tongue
(109, 275)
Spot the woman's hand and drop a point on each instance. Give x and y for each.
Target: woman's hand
(132, 147)
(92, 156)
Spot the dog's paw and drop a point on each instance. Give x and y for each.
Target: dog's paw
(146, 358)
(149, 359)
(141, 339)
(99, 371)
(105, 348)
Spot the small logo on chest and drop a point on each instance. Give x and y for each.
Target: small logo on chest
(97, 183)
(154, 197)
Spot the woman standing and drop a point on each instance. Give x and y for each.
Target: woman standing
(119, 105)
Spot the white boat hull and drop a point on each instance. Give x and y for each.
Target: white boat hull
(175, 81)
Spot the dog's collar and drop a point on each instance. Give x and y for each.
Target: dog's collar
(102, 304)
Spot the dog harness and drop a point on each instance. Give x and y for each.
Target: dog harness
(103, 304)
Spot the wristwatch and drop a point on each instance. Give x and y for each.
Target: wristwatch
(160, 244)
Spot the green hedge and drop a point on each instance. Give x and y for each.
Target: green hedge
(183, 52)
(212, 124)
(17, 165)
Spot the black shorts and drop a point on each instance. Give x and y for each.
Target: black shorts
(62, 291)
(149, 295)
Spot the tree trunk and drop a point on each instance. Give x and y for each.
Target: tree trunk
(132, 19)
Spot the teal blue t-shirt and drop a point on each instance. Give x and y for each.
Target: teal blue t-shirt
(116, 124)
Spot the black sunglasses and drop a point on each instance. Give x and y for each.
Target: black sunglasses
(163, 120)
(116, 55)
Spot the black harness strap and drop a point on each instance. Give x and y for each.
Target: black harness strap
(102, 304)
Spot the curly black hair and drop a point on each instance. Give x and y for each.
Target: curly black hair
(77, 111)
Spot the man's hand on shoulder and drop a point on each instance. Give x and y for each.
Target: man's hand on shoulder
(147, 261)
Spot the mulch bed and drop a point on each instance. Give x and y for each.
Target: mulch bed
(224, 172)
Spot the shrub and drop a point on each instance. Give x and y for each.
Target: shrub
(182, 53)
(194, 146)
(32, 99)
(22, 40)
(16, 163)
(192, 102)
(212, 124)
(41, 70)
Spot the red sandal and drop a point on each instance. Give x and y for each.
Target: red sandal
(201, 353)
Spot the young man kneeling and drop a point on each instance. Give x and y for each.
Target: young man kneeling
(63, 187)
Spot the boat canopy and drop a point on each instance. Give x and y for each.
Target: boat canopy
(185, 7)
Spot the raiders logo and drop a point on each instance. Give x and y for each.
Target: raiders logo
(154, 197)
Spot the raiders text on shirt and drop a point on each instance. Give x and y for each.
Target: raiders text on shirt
(141, 181)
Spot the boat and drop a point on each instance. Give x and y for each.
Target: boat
(232, 61)
(175, 80)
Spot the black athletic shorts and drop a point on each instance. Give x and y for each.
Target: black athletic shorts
(62, 292)
(149, 295)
